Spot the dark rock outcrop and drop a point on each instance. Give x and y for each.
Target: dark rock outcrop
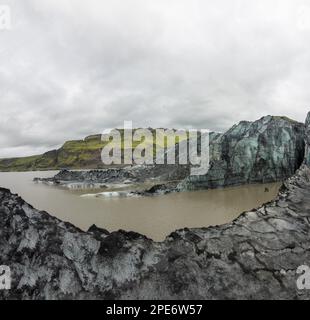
(307, 141)
(267, 150)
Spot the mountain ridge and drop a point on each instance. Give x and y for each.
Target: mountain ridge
(81, 153)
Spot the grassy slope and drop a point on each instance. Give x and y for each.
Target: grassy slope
(76, 154)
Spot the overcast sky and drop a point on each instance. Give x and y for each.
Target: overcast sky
(72, 68)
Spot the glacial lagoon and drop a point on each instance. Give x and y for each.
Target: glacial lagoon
(156, 217)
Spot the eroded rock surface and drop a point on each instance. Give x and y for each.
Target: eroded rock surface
(254, 257)
(267, 150)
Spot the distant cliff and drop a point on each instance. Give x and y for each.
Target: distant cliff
(269, 149)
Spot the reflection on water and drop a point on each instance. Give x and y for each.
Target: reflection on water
(155, 217)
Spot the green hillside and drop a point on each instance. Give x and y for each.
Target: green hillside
(75, 154)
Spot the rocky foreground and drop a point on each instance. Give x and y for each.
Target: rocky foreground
(254, 257)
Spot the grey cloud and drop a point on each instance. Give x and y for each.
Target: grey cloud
(73, 68)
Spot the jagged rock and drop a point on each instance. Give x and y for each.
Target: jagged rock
(307, 140)
(254, 257)
(267, 150)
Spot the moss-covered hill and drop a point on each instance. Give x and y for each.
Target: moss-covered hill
(75, 154)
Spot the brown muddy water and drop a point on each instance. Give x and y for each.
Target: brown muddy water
(156, 217)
